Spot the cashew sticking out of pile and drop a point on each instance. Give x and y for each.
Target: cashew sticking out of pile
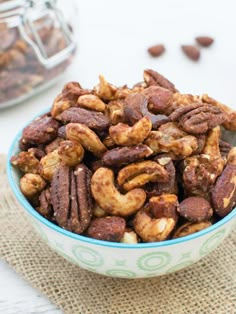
(86, 137)
(152, 229)
(124, 135)
(91, 102)
(110, 199)
(137, 174)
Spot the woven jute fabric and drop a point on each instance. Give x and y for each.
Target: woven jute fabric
(209, 286)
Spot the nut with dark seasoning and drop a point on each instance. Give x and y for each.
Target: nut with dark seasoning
(223, 194)
(198, 118)
(94, 120)
(109, 228)
(143, 161)
(71, 198)
(195, 209)
(117, 157)
(154, 78)
(42, 130)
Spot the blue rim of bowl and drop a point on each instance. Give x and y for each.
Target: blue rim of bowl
(23, 201)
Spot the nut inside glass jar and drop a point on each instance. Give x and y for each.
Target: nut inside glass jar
(37, 45)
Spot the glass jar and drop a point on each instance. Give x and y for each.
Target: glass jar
(36, 46)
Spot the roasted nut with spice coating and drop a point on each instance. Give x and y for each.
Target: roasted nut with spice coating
(31, 184)
(71, 153)
(198, 118)
(49, 164)
(165, 205)
(195, 209)
(152, 229)
(105, 90)
(190, 228)
(154, 78)
(115, 111)
(223, 194)
(110, 199)
(171, 139)
(124, 135)
(40, 131)
(87, 138)
(71, 197)
(109, 228)
(26, 162)
(91, 102)
(138, 174)
(117, 157)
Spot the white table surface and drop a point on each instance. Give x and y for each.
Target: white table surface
(113, 37)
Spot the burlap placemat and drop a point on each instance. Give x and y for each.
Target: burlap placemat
(207, 287)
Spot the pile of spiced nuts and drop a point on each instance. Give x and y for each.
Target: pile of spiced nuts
(140, 164)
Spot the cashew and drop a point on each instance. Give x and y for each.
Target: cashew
(86, 137)
(170, 138)
(212, 143)
(190, 228)
(31, 184)
(71, 153)
(58, 107)
(140, 173)
(98, 212)
(110, 199)
(124, 135)
(129, 237)
(92, 102)
(105, 90)
(49, 164)
(151, 229)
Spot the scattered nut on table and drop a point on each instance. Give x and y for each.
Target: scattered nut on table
(130, 165)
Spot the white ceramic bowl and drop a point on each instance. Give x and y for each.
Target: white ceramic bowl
(118, 259)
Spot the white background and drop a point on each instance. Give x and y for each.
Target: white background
(113, 38)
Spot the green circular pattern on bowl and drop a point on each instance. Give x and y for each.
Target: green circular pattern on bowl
(87, 256)
(123, 273)
(154, 261)
(212, 242)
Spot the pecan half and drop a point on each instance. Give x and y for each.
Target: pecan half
(71, 198)
(224, 192)
(124, 135)
(94, 120)
(110, 199)
(198, 118)
(45, 207)
(230, 122)
(138, 174)
(40, 131)
(120, 156)
(110, 228)
(190, 228)
(154, 78)
(195, 209)
(224, 147)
